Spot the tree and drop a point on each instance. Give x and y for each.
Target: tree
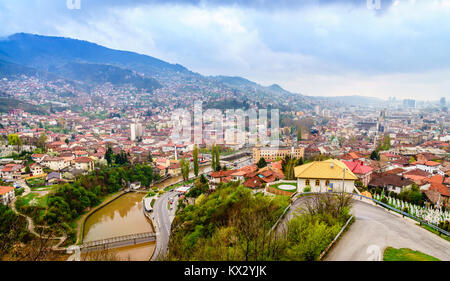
(108, 155)
(195, 160)
(213, 156)
(217, 160)
(66, 141)
(374, 155)
(41, 142)
(299, 133)
(14, 139)
(185, 167)
(261, 163)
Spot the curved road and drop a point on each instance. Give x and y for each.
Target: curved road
(375, 229)
(163, 220)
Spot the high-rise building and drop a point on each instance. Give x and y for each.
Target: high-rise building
(443, 102)
(409, 103)
(135, 129)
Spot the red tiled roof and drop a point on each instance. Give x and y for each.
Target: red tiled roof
(83, 160)
(5, 189)
(357, 167)
(439, 187)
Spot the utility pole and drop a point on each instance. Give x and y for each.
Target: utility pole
(343, 179)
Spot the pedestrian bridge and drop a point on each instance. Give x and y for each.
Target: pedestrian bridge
(119, 241)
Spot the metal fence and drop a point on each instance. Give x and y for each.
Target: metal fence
(422, 222)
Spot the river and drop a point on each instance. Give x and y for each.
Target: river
(125, 216)
(122, 216)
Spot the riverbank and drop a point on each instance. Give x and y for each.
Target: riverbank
(81, 222)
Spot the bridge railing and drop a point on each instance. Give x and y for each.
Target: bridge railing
(421, 221)
(118, 239)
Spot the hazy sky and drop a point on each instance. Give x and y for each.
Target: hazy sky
(316, 47)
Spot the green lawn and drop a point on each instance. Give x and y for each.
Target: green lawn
(405, 254)
(294, 186)
(178, 185)
(36, 182)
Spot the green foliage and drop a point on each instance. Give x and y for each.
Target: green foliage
(41, 142)
(299, 134)
(308, 236)
(261, 163)
(72, 199)
(375, 156)
(200, 187)
(14, 139)
(230, 224)
(185, 167)
(13, 229)
(288, 164)
(195, 160)
(405, 254)
(307, 189)
(19, 191)
(412, 195)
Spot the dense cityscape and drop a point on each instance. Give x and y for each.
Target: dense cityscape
(109, 155)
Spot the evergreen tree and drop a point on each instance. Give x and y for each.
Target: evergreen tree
(213, 156)
(195, 159)
(261, 163)
(217, 160)
(108, 155)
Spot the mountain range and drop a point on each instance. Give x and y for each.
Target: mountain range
(87, 64)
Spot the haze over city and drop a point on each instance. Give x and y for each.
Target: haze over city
(317, 48)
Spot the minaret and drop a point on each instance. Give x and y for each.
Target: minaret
(176, 157)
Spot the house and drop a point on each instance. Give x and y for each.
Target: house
(322, 176)
(390, 182)
(439, 194)
(53, 178)
(84, 163)
(220, 176)
(431, 167)
(174, 169)
(37, 157)
(12, 171)
(254, 182)
(55, 163)
(36, 169)
(7, 194)
(363, 172)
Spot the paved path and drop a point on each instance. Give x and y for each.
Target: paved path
(375, 229)
(30, 223)
(163, 220)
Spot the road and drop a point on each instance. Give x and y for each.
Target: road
(375, 229)
(163, 218)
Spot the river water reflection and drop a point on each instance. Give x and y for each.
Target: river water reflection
(122, 216)
(125, 216)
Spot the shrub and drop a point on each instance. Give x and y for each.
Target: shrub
(307, 189)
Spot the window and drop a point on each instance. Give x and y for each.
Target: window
(317, 182)
(307, 182)
(327, 182)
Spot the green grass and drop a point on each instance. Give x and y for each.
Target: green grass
(435, 232)
(405, 254)
(36, 182)
(178, 185)
(294, 186)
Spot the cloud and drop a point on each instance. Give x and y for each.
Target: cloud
(314, 47)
